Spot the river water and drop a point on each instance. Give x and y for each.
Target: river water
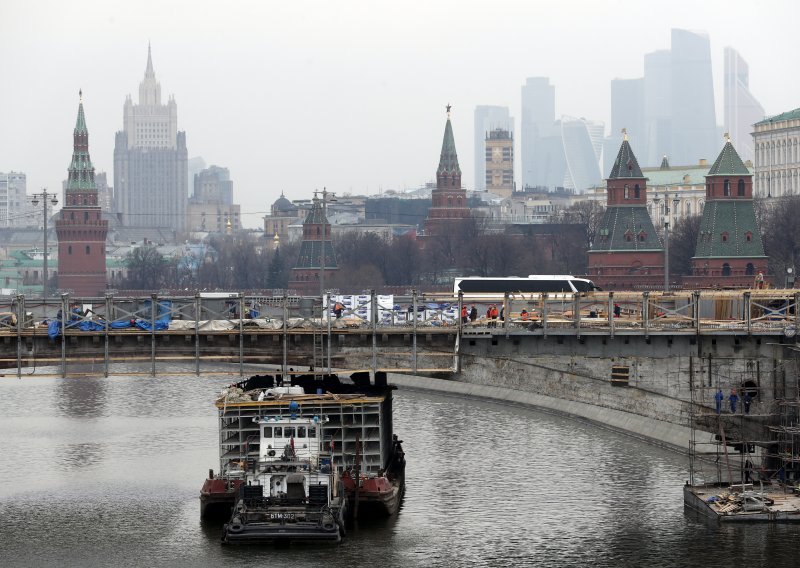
(107, 471)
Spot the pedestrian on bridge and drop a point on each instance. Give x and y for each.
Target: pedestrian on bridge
(473, 313)
(746, 400)
(733, 399)
(719, 398)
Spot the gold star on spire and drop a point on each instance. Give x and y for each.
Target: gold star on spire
(624, 133)
(449, 106)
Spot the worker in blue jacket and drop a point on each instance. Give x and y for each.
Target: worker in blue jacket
(719, 398)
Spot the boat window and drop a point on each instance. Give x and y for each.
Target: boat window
(312, 432)
(288, 432)
(278, 432)
(301, 431)
(268, 431)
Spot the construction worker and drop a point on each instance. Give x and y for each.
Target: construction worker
(524, 315)
(718, 398)
(464, 314)
(733, 399)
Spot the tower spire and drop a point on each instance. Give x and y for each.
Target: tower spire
(149, 71)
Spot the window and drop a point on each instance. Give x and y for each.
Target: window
(636, 191)
(278, 432)
(748, 236)
(726, 188)
(268, 431)
(88, 249)
(726, 269)
(626, 196)
(724, 237)
(628, 236)
(69, 249)
(750, 269)
(642, 237)
(740, 188)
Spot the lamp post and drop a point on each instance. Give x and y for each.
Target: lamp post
(789, 277)
(326, 197)
(675, 202)
(44, 196)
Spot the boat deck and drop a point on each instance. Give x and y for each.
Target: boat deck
(725, 505)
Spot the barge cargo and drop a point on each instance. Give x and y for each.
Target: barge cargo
(355, 452)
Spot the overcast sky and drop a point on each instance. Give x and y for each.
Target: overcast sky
(293, 96)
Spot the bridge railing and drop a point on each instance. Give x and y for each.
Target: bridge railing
(706, 311)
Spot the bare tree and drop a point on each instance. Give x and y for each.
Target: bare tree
(683, 244)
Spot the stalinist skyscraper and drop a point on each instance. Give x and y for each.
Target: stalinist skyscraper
(151, 161)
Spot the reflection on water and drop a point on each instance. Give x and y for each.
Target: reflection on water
(107, 471)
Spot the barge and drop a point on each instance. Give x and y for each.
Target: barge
(354, 453)
(744, 502)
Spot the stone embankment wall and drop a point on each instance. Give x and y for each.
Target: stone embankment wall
(572, 376)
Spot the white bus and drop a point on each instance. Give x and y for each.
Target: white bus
(533, 284)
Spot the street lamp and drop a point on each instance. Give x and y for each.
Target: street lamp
(675, 202)
(44, 196)
(326, 197)
(789, 277)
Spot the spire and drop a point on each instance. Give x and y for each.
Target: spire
(81, 170)
(80, 124)
(149, 71)
(626, 165)
(728, 162)
(448, 161)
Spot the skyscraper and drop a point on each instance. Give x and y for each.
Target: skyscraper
(80, 228)
(537, 128)
(151, 161)
(742, 110)
(582, 140)
(694, 122)
(488, 118)
(627, 111)
(657, 136)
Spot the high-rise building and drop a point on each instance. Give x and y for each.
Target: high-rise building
(211, 208)
(694, 121)
(151, 161)
(656, 140)
(487, 119)
(538, 130)
(582, 140)
(499, 162)
(777, 146)
(742, 110)
(13, 201)
(80, 228)
(449, 199)
(627, 111)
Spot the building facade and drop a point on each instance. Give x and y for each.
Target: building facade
(13, 200)
(777, 146)
(499, 162)
(729, 253)
(151, 161)
(80, 228)
(488, 118)
(211, 207)
(627, 253)
(449, 200)
(539, 137)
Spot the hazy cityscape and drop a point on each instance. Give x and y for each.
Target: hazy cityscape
(447, 283)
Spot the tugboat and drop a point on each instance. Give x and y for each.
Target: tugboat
(290, 493)
(355, 442)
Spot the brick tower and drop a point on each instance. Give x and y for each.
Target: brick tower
(80, 229)
(449, 207)
(312, 260)
(627, 253)
(729, 252)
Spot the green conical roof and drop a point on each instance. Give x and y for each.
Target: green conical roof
(80, 124)
(728, 163)
(626, 165)
(81, 171)
(448, 161)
